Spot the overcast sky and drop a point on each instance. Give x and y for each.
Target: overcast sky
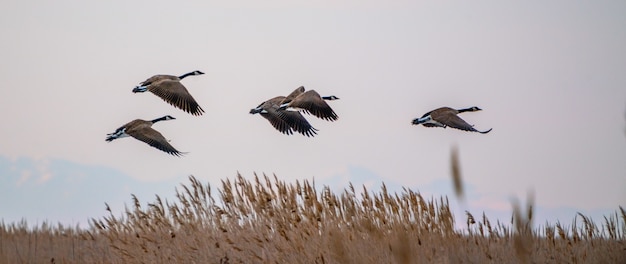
(549, 76)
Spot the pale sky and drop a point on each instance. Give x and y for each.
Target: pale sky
(549, 76)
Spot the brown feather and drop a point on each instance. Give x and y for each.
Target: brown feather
(311, 102)
(153, 138)
(292, 95)
(175, 93)
(159, 77)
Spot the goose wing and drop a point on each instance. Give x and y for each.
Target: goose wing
(297, 122)
(153, 138)
(454, 121)
(293, 95)
(175, 93)
(285, 121)
(277, 122)
(311, 102)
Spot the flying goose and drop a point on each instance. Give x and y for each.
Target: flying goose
(284, 121)
(446, 116)
(171, 90)
(142, 130)
(309, 102)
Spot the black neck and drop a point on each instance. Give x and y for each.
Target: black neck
(466, 110)
(185, 75)
(158, 119)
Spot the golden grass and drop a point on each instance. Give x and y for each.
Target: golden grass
(270, 221)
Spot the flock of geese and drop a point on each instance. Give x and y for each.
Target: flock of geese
(283, 112)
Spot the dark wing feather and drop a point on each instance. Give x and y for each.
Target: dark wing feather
(176, 94)
(154, 139)
(285, 121)
(298, 122)
(454, 121)
(271, 114)
(277, 122)
(448, 116)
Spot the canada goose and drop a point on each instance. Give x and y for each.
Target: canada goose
(171, 90)
(284, 121)
(142, 130)
(446, 116)
(309, 102)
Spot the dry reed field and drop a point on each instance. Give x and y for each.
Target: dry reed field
(269, 221)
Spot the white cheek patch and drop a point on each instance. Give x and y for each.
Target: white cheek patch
(121, 134)
(117, 134)
(425, 119)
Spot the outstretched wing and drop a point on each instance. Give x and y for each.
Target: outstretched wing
(154, 139)
(175, 93)
(311, 102)
(276, 121)
(292, 95)
(297, 122)
(454, 121)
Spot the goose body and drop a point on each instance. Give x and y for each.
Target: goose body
(143, 131)
(171, 90)
(282, 120)
(448, 117)
(309, 102)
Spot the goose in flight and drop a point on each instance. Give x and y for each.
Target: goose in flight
(284, 112)
(310, 102)
(143, 131)
(171, 90)
(447, 117)
(283, 120)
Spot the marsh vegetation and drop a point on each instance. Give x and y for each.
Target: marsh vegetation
(266, 220)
